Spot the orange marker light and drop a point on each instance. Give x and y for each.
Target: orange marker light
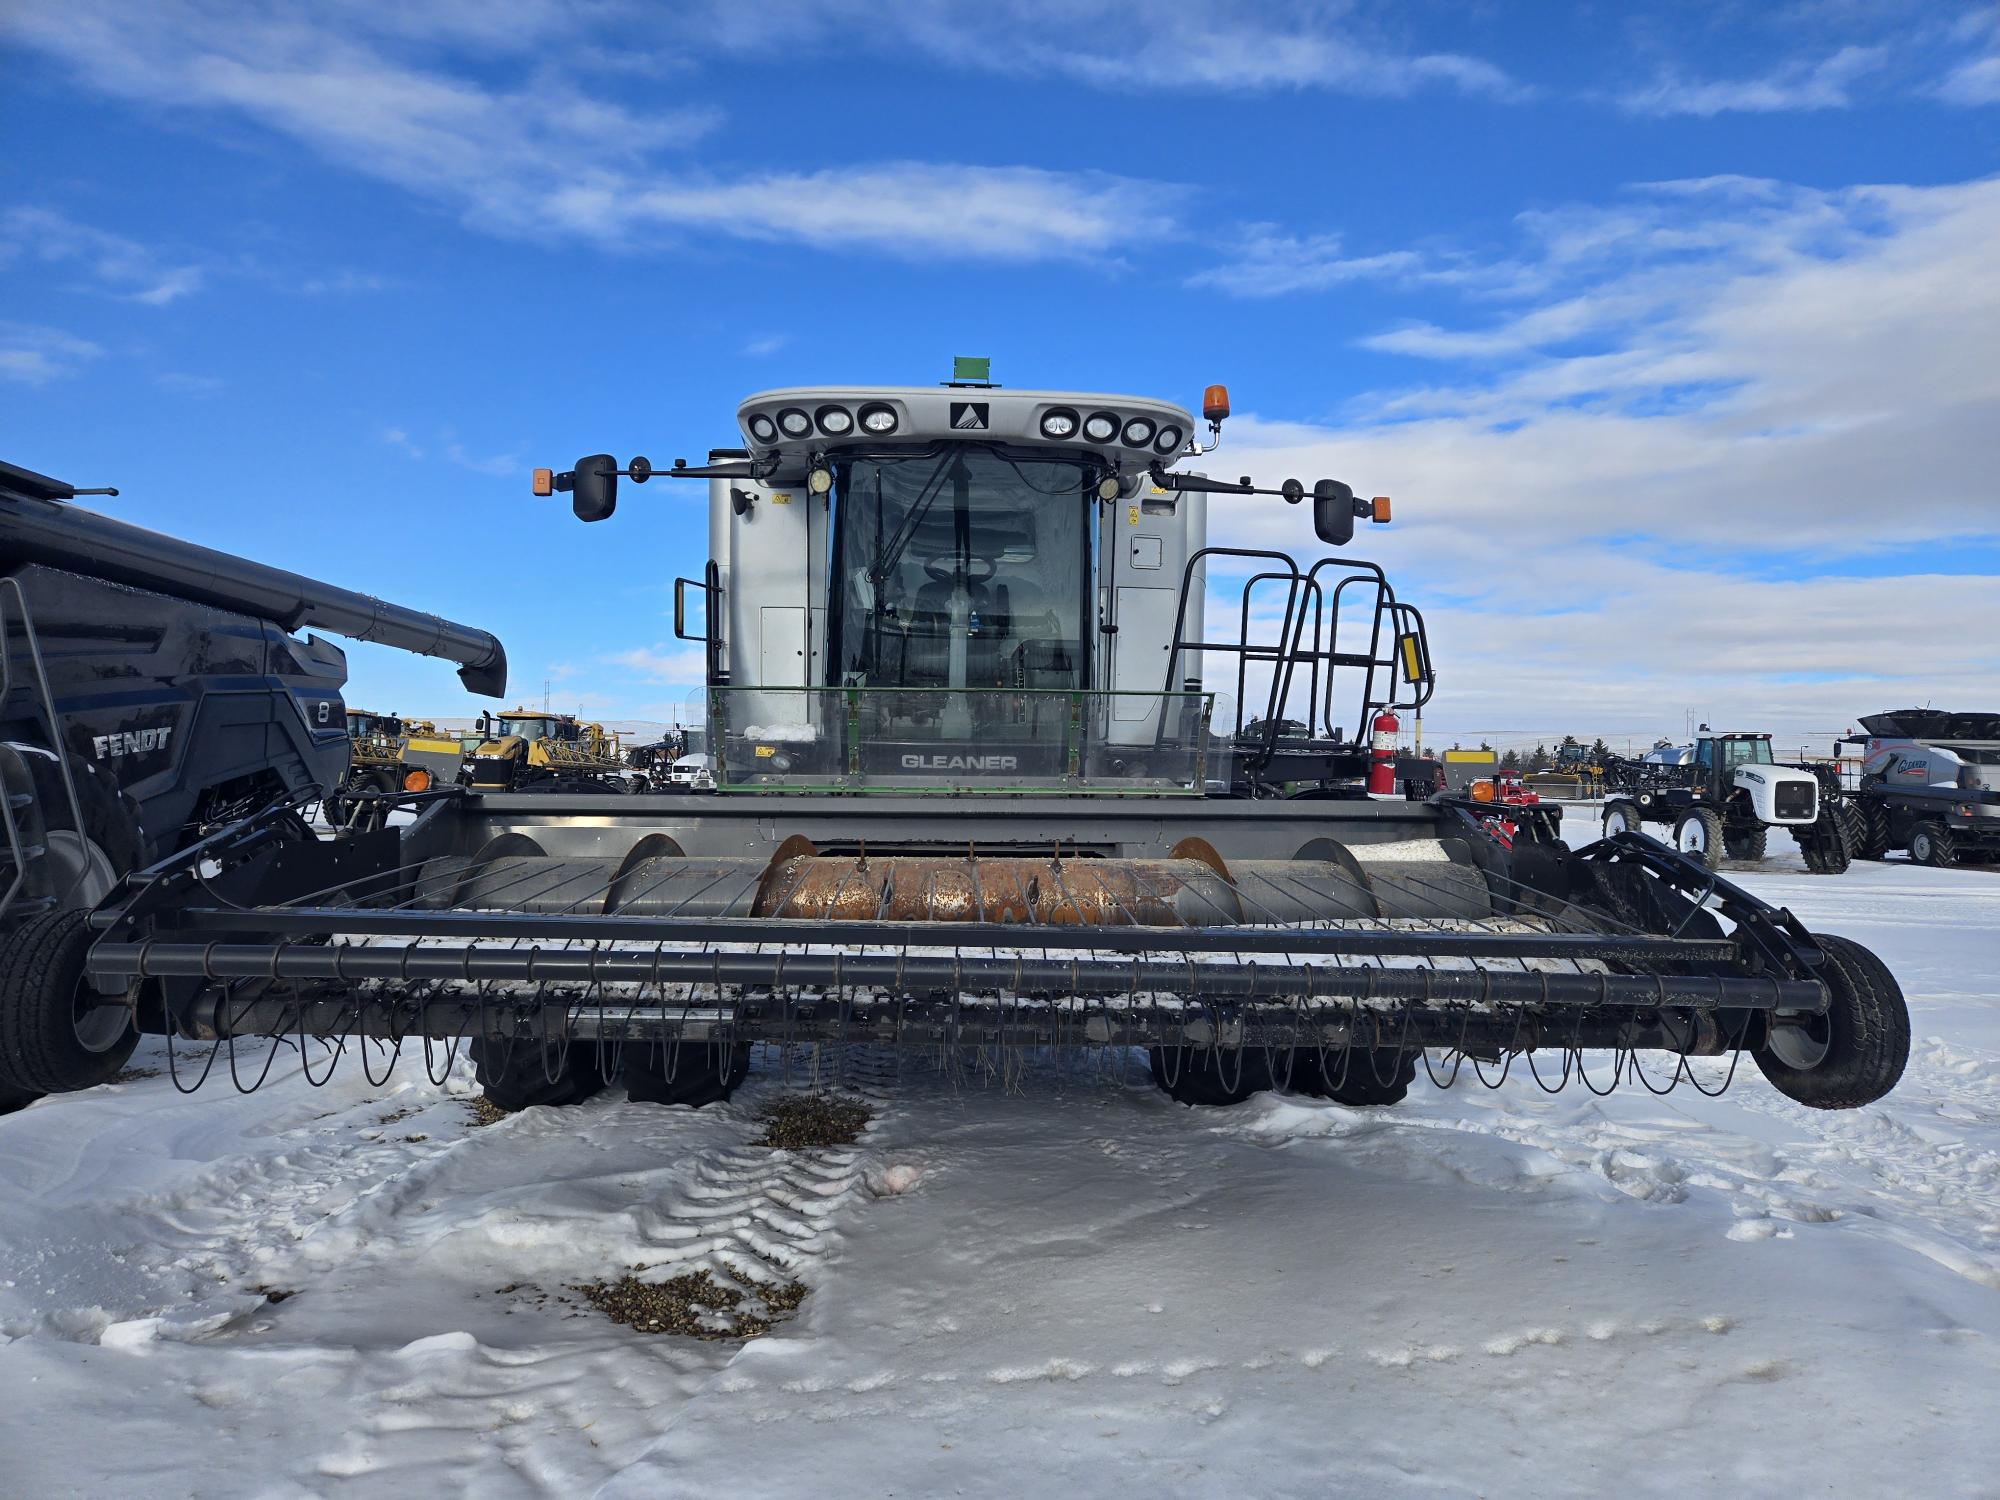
(1381, 504)
(1215, 403)
(1480, 791)
(545, 481)
(418, 780)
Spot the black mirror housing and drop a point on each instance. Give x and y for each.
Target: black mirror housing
(1333, 512)
(594, 487)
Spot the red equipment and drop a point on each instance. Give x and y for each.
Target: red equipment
(1382, 755)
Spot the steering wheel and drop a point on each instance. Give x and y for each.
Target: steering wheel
(944, 569)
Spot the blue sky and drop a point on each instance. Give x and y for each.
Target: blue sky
(1670, 328)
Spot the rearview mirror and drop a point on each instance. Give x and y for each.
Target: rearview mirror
(594, 488)
(1333, 512)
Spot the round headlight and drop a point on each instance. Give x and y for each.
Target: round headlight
(763, 429)
(1168, 440)
(1138, 432)
(834, 421)
(878, 419)
(795, 422)
(1100, 427)
(1060, 423)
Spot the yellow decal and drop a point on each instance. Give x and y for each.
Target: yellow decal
(780, 497)
(1131, 515)
(765, 752)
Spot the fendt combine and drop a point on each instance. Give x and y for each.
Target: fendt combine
(151, 691)
(979, 792)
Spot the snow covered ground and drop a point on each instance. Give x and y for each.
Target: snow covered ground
(1067, 1284)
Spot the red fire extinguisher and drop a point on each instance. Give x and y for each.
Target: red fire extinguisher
(1382, 755)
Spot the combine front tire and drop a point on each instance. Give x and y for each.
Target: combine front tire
(1931, 844)
(520, 1073)
(1356, 1076)
(1699, 833)
(1854, 1053)
(1745, 843)
(58, 1032)
(691, 1073)
(1211, 1076)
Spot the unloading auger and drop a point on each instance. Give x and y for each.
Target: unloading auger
(982, 786)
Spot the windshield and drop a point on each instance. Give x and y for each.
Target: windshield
(963, 569)
(1745, 753)
(527, 729)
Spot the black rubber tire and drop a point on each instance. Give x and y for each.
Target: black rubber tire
(515, 1074)
(1931, 844)
(1711, 824)
(1867, 1032)
(1213, 1077)
(1859, 827)
(1745, 843)
(1869, 826)
(41, 970)
(13, 1099)
(690, 1074)
(1626, 808)
(1356, 1076)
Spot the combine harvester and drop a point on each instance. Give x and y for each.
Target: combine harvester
(977, 792)
(151, 691)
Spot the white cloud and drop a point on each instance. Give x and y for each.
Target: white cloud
(1791, 391)
(549, 156)
(1268, 262)
(120, 266)
(32, 355)
(1976, 82)
(676, 666)
(1798, 85)
(396, 437)
(769, 343)
(497, 465)
(1132, 46)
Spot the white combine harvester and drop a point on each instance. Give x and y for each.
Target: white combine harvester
(975, 794)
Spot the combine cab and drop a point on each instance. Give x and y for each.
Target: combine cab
(988, 783)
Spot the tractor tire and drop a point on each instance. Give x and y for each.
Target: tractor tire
(57, 1033)
(1621, 815)
(1855, 1053)
(690, 1074)
(1698, 834)
(1746, 844)
(1932, 844)
(13, 1099)
(1212, 1077)
(1358, 1076)
(1869, 827)
(515, 1073)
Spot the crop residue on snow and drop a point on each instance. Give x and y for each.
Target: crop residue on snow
(695, 1305)
(805, 1122)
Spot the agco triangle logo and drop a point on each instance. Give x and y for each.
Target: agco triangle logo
(968, 416)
